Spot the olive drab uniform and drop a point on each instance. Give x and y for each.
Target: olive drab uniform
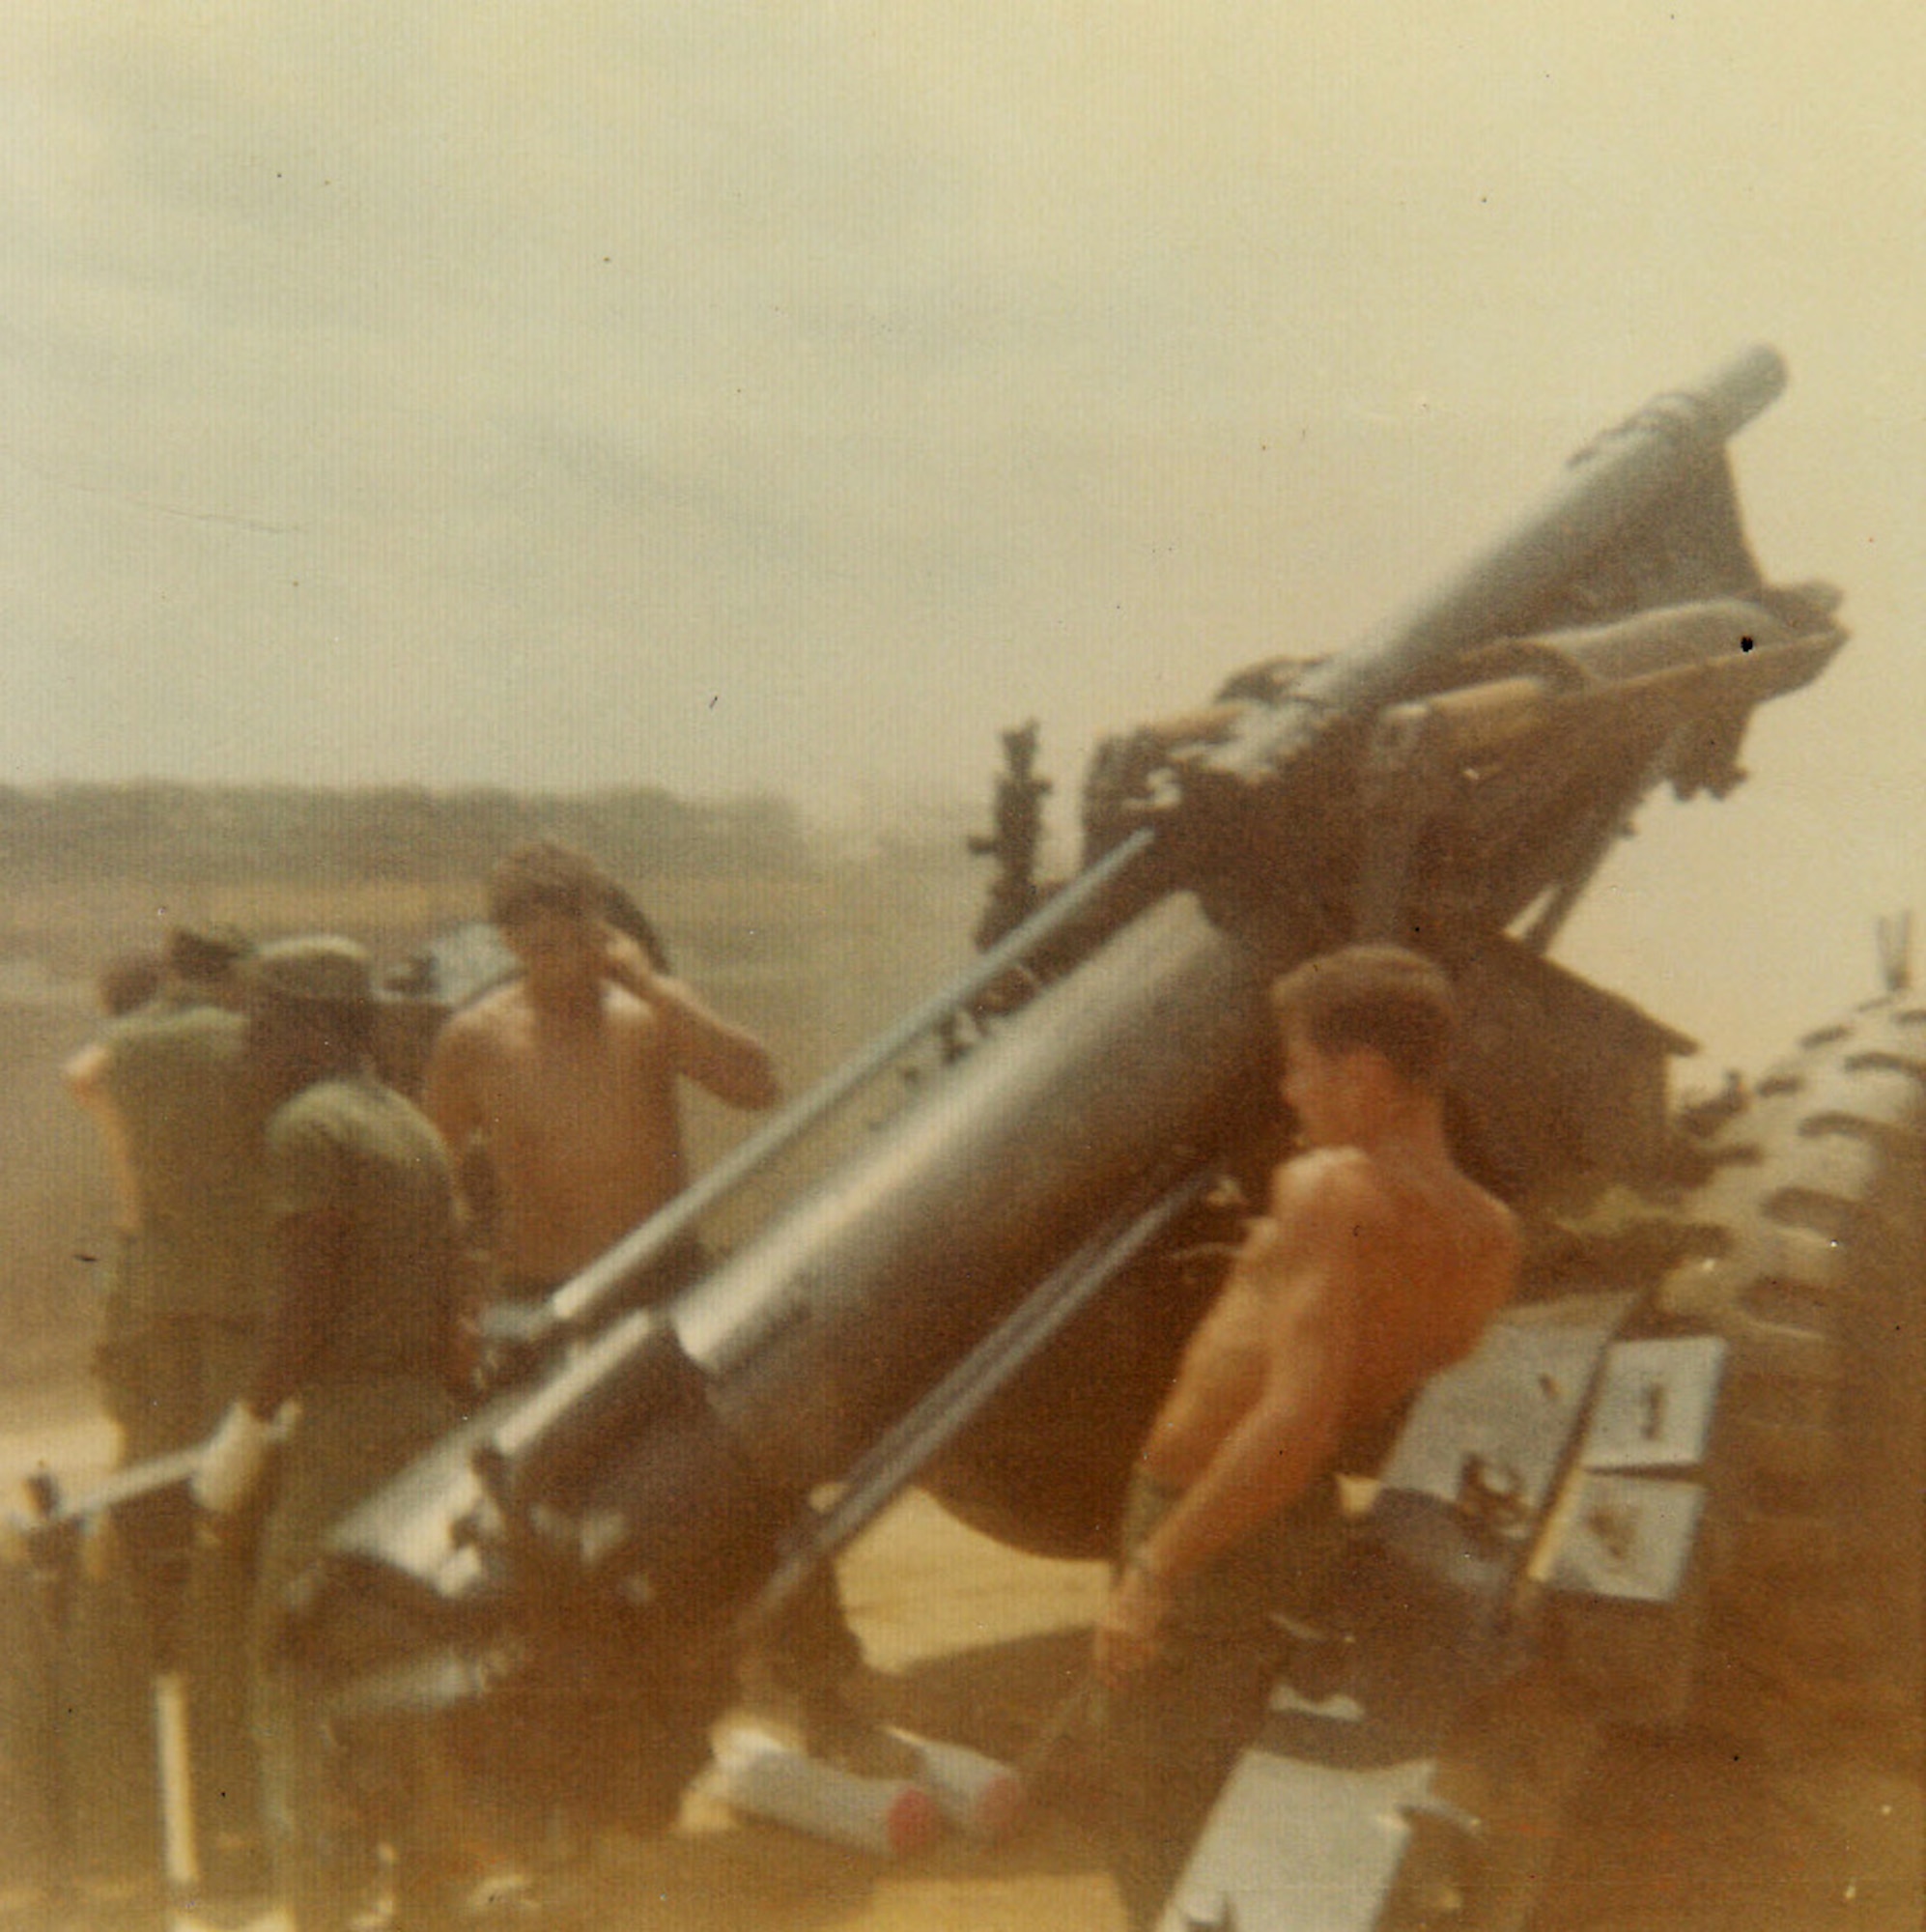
(180, 1332)
(184, 1321)
(371, 1384)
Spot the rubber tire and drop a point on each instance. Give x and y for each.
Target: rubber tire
(1815, 1272)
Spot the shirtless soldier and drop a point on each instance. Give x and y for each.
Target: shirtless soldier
(1377, 1264)
(567, 1074)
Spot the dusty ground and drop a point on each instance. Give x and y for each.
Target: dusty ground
(971, 1641)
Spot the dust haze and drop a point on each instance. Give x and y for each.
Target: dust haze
(783, 399)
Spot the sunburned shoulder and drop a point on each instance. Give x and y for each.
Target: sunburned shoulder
(1338, 1179)
(1346, 1186)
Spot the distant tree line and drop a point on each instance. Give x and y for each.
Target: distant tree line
(181, 834)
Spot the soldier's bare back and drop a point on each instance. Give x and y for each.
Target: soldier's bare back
(1390, 1263)
(1377, 1263)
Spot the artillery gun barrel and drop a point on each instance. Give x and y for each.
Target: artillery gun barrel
(660, 1465)
(793, 1355)
(578, 1303)
(1606, 487)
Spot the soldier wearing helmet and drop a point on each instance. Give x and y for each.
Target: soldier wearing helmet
(364, 1266)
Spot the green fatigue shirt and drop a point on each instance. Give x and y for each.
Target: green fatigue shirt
(365, 1343)
(174, 1074)
(357, 1152)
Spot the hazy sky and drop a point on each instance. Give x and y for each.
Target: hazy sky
(788, 396)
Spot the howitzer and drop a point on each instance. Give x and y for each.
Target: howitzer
(984, 1289)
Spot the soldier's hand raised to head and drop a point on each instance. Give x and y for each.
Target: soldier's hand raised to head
(625, 961)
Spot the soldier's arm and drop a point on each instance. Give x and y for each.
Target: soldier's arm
(1302, 1266)
(306, 1250)
(86, 1073)
(1307, 1277)
(86, 1076)
(307, 1282)
(727, 1060)
(450, 1089)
